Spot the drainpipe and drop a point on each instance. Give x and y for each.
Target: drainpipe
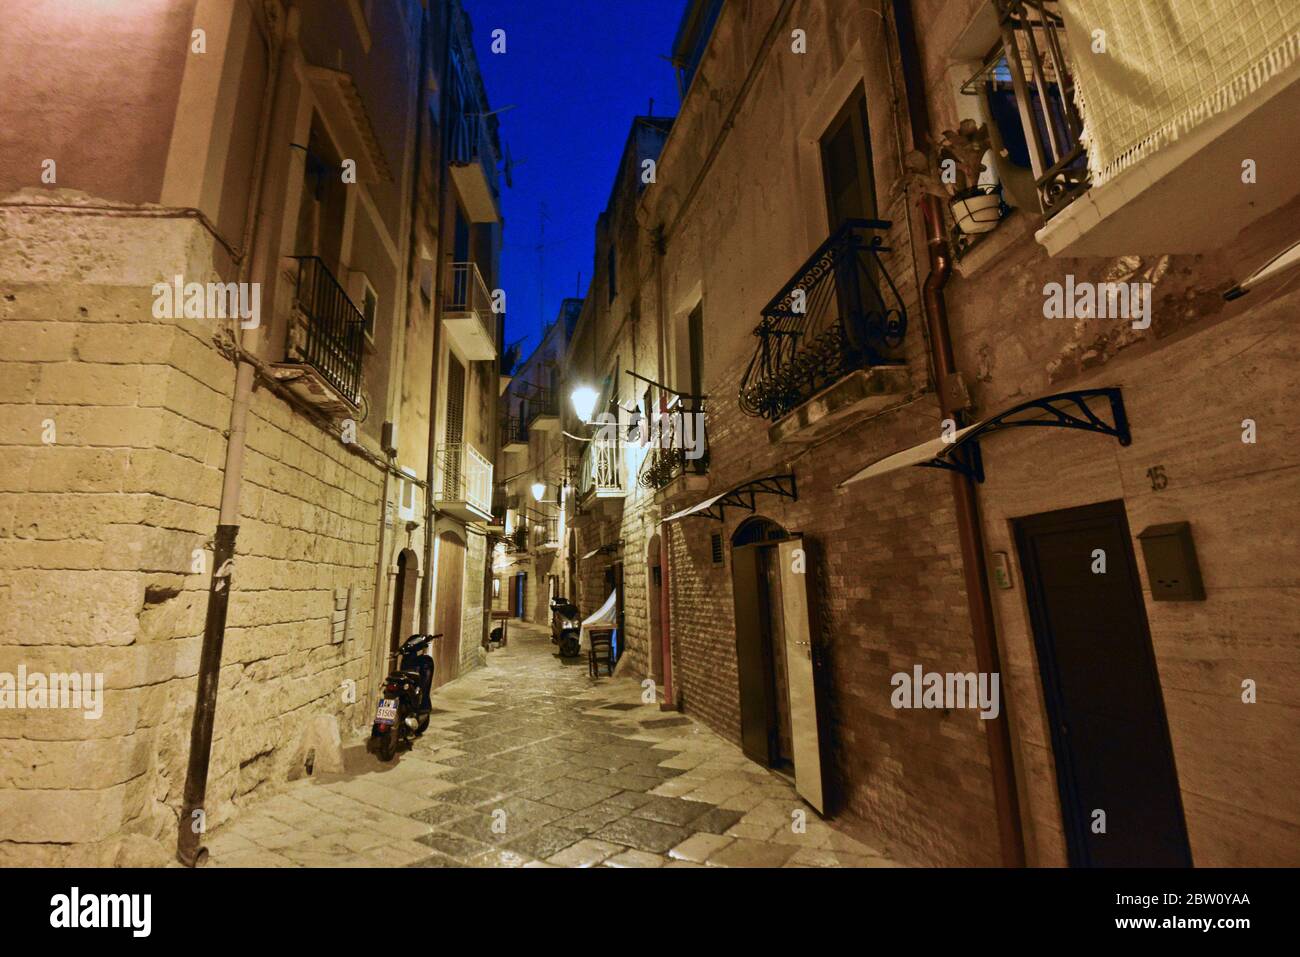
(969, 528)
(431, 476)
(660, 241)
(188, 850)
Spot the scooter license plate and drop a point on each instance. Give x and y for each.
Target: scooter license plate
(387, 710)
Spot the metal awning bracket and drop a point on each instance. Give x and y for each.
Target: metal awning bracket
(1064, 410)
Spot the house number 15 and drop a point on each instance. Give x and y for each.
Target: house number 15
(1159, 480)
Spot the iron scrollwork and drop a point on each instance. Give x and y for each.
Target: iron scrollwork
(840, 312)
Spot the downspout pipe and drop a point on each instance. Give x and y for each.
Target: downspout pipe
(660, 241)
(431, 471)
(997, 732)
(190, 827)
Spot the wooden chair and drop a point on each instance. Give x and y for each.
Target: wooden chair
(601, 652)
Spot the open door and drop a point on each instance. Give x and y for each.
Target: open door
(800, 666)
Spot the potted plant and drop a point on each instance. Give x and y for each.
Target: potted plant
(951, 170)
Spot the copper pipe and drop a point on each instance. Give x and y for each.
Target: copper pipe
(969, 528)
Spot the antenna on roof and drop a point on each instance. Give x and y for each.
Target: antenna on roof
(541, 265)
(652, 107)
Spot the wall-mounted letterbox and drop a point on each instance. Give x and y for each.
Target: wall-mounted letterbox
(1172, 569)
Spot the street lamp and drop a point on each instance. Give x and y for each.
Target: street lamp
(584, 401)
(539, 491)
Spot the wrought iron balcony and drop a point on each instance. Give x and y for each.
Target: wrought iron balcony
(517, 540)
(548, 531)
(601, 470)
(678, 445)
(514, 434)
(331, 335)
(463, 482)
(472, 152)
(542, 409)
(840, 312)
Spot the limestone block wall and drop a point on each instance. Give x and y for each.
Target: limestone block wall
(105, 546)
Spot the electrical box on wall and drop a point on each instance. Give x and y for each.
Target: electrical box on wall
(1170, 556)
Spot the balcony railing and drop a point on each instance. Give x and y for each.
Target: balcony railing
(1033, 53)
(335, 328)
(541, 403)
(467, 292)
(517, 540)
(678, 445)
(514, 431)
(463, 476)
(548, 531)
(840, 312)
(601, 472)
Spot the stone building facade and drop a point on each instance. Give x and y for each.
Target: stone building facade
(289, 147)
(798, 115)
(527, 565)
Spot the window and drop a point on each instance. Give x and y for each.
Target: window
(846, 165)
(324, 201)
(1029, 91)
(695, 338)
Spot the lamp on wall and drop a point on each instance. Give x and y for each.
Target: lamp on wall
(584, 401)
(539, 491)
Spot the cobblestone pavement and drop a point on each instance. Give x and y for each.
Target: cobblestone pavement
(529, 762)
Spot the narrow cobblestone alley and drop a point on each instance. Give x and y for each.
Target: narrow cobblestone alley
(529, 762)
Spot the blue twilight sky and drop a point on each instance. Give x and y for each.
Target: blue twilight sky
(576, 71)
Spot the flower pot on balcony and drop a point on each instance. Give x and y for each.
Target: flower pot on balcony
(977, 210)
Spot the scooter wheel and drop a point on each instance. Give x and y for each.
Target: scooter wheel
(569, 646)
(423, 723)
(387, 744)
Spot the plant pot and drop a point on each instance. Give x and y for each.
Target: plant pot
(977, 211)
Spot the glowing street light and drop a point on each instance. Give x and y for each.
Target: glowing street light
(539, 491)
(584, 401)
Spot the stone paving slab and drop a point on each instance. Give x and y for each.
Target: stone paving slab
(531, 763)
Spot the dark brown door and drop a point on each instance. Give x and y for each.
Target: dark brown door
(753, 666)
(451, 581)
(1120, 801)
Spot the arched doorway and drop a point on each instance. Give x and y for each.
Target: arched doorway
(654, 595)
(447, 606)
(404, 595)
(777, 654)
(760, 643)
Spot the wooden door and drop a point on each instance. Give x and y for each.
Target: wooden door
(1115, 770)
(801, 674)
(447, 608)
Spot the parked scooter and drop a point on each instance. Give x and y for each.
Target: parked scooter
(565, 626)
(404, 706)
